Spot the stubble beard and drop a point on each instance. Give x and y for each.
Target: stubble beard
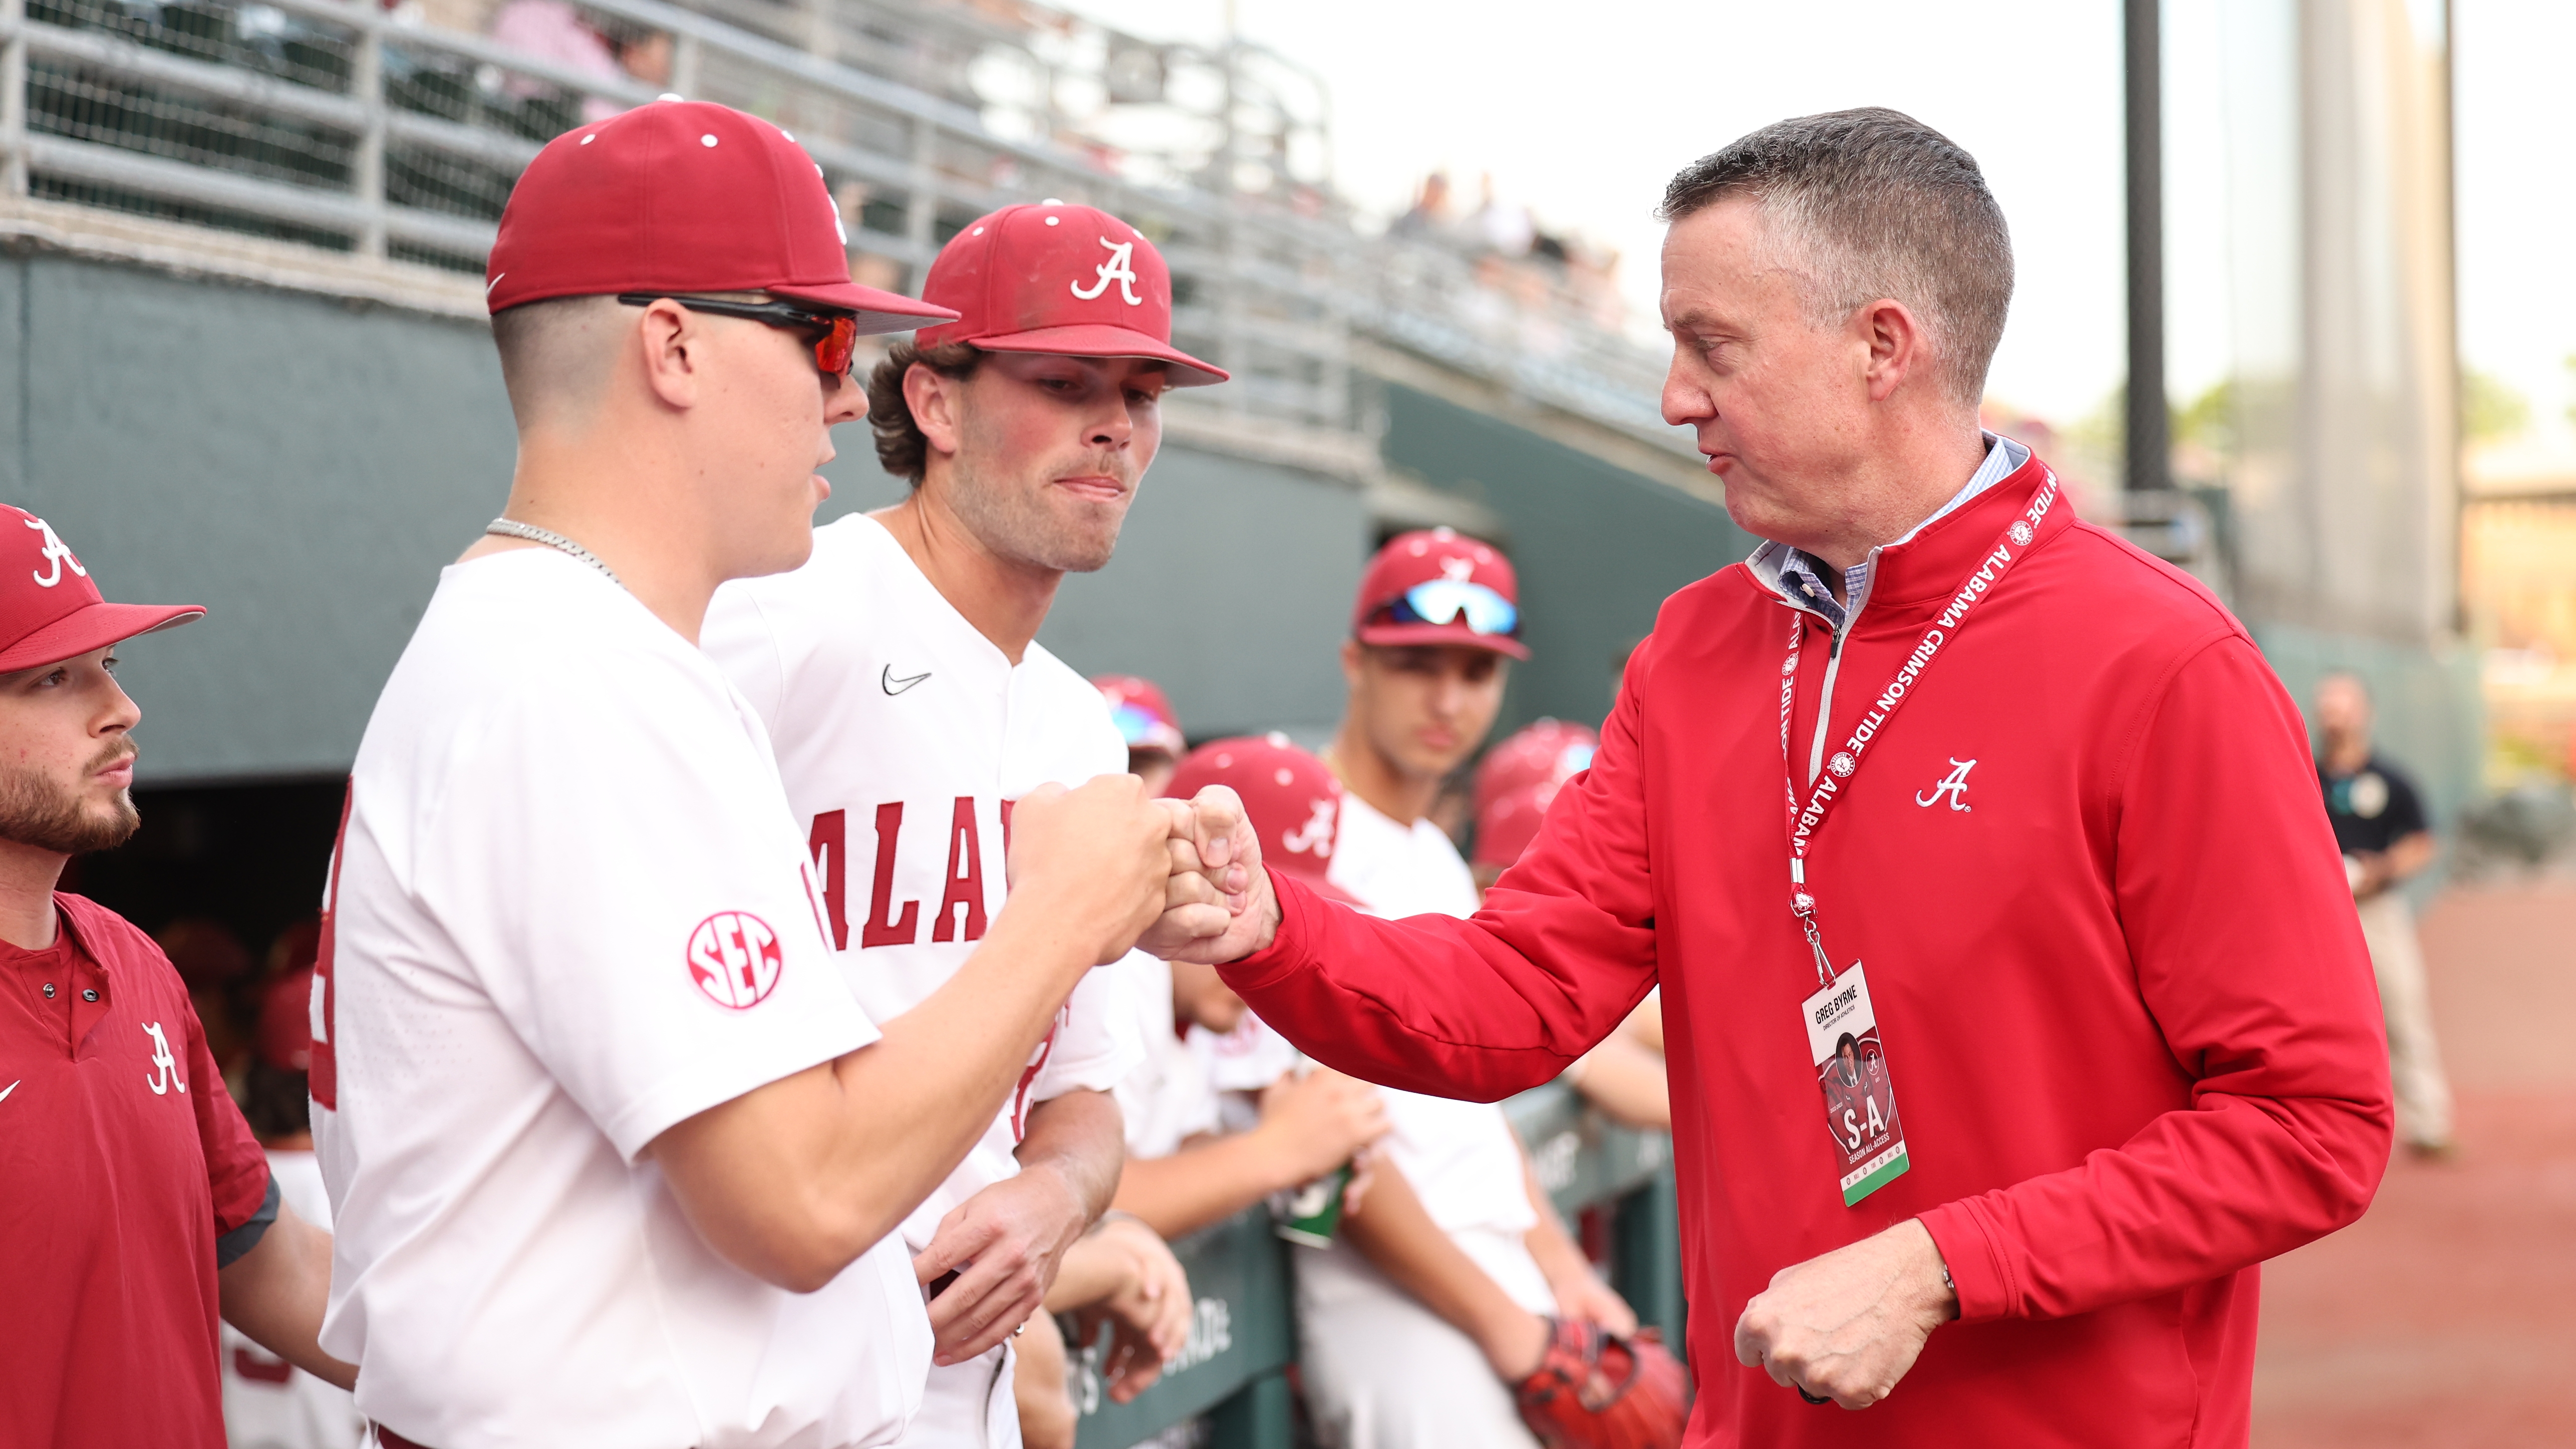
(35, 811)
(1006, 516)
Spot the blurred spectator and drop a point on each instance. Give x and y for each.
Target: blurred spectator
(216, 967)
(294, 948)
(1145, 720)
(1624, 1075)
(552, 30)
(268, 1402)
(2379, 824)
(1429, 214)
(1500, 226)
(1435, 1297)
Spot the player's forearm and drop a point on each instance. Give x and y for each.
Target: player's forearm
(1091, 1270)
(1550, 1245)
(1627, 1081)
(1202, 1185)
(2408, 855)
(276, 1292)
(1081, 1137)
(913, 1104)
(794, 1180)
(1396, 1234)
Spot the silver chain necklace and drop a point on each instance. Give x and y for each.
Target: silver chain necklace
(513, 528)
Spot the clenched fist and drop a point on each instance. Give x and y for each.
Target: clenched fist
(1847, 1326)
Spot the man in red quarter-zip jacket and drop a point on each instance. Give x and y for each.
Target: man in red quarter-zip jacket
(2015, 1003)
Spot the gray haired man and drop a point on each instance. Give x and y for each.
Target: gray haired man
(1947, 773)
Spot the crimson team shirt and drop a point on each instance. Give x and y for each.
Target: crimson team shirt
(569, 910)
(903, 737)
(2126, 1010)
(125, 1171)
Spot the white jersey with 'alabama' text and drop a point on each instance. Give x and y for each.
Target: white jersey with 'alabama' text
(569, 909)
(903, 737)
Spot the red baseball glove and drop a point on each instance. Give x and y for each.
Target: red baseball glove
(1594, 1391)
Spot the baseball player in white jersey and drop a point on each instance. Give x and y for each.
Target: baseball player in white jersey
(1432, 1302)
(613, 1151)
(911, 707)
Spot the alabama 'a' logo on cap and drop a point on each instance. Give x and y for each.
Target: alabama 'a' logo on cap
(53, 556)
(1120, 268)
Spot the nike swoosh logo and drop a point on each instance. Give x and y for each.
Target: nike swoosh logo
(892, 685)
(5, 1091)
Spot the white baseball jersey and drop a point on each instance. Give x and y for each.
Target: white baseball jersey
(1460, 1157)
(1166, 1099)
(569, 909)
(268, 1402)
(903, 737)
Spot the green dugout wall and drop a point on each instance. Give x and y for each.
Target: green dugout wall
(304, 466)
(1598, 547)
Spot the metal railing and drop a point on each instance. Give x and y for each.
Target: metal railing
(334, 125)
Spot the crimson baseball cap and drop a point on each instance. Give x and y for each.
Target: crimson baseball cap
(1292, 798)
(1052, 277)
(1438, 586)
(1143, 716)
(1519, 779)
(681, 196)
(50, 608)
(285, 1038)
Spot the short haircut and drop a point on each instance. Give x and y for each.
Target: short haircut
(555, 354)
(901, 448)
(1873, 203)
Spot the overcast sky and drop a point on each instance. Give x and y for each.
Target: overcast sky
(1582, 112)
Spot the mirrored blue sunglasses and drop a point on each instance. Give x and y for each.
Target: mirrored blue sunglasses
(1444, 601)
(1135, 726)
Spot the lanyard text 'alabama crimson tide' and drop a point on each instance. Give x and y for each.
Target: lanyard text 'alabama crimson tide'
(1834, 781)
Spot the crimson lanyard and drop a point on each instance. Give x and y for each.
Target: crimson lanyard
(1834, 781)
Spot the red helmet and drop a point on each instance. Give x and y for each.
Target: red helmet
(1518, 780)
(1143, 715)
(1293, 799)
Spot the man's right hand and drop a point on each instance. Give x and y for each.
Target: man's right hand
(1190, 933)
(1102, 863)
(1314, 1123)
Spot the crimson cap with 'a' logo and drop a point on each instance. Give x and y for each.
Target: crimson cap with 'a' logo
(1438, 586)
(50, 608)
(1292, 799)
(681, 196)
(1048, 277)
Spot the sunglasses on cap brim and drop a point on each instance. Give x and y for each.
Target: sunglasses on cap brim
(833, 350)
(1135, 726)
(1445, 601)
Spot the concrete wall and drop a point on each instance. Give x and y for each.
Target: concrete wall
(303, 467)
(1598, 548)
(299, 466)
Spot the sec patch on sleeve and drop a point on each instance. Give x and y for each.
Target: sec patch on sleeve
(734, 958)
